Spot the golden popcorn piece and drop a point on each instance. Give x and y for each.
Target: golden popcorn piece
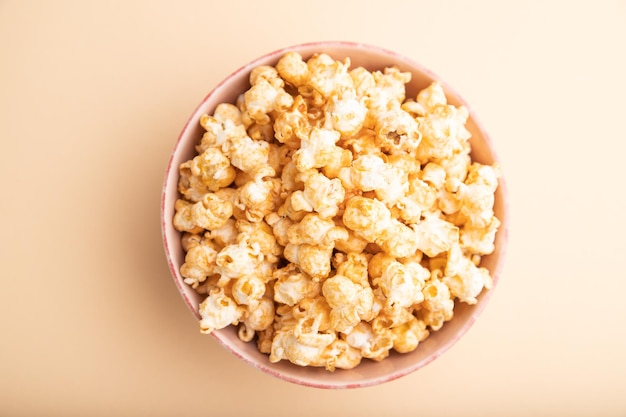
(184, 220)
(218, 311)
(435, 235)
(212, 212)
(327, 76)
(314, 229)
(402, 284)
(199, 263)
(293, 69)
(292, 286)
(312, 259)
(408, 336)
(213, 168)
(347, 113)
(370, 344)
(301, 344)
(318, 149)
(333, 218)
(265, 96)
(350, 302)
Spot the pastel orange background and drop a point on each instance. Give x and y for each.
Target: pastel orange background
(92, 98)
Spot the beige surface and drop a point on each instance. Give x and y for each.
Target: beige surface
(92, 98)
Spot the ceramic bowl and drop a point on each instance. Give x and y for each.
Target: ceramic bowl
(368, 373)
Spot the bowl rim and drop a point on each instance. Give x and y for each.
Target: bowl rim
(503, 231)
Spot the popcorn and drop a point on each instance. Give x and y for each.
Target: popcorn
(314, 229)
(225, 124)
(312, 259)
(211, 212)
(371, 345)
(320, 194)
(256, 198)
(318, 149)
(301, 344)
(266, 95)
(332, 218)
(328, 76)
(293, 69)
(349, 301)
(402, 284)
(218, 311)
(347, 114)
(292, 286)
(184, 220)
(292, 125)
(407, 336)
(371, 220)
(213, 168)
(477, 194)
(435, 235)
(257, 319)
(245, 153)
(371, 173)
(199, 263)
(237, 260)
(397, 131)
(469, 282)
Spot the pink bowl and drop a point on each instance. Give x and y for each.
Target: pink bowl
(368, 373)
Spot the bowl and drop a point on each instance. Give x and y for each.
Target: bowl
(368, 373)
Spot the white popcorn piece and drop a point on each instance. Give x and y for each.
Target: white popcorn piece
(397, 131)
(443, 133)
(339, 354)
(371, 173)
(223, 126)
(292, 125)
(479, 240)
(389, 89)
(432, 97)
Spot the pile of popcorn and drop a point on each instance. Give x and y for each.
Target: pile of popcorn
(332, 218)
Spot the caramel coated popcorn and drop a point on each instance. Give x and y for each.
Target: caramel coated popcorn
(331, 217)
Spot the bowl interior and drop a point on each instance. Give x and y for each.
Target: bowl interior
(368, 372)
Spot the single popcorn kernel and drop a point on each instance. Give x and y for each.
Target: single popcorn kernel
(332, 218)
